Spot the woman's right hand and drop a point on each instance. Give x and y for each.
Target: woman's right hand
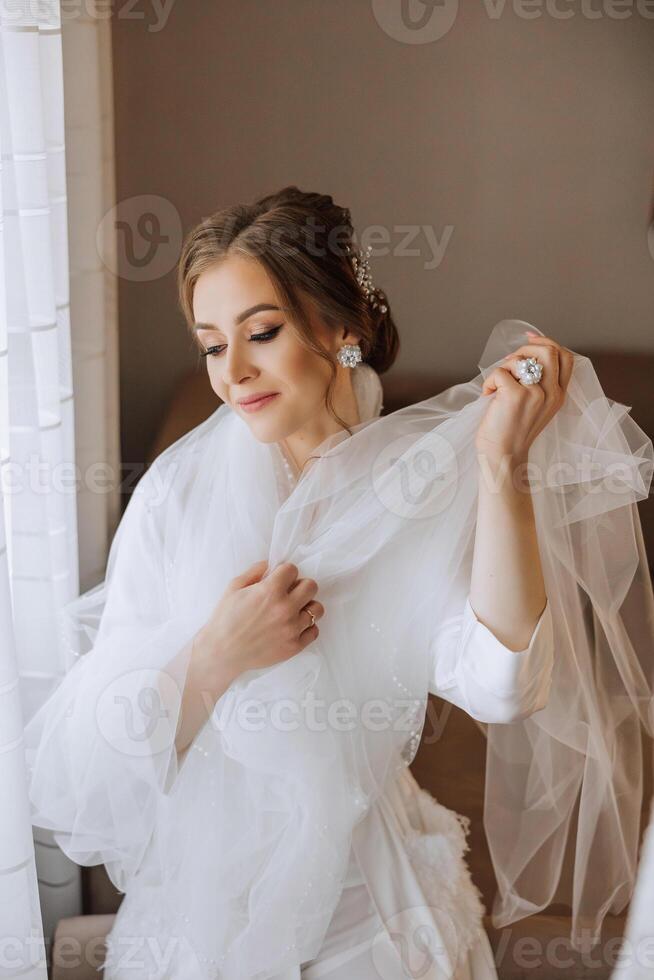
(260, 621)
(257, 622)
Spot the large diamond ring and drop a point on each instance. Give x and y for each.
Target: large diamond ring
(530, 371)
(313, 618)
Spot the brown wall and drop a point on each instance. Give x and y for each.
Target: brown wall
(532, 139)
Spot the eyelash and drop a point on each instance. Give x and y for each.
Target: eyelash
(260, 338)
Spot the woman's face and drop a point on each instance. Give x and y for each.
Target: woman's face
(256, 351)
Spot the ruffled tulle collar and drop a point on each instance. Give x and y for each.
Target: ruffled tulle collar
(368, 391)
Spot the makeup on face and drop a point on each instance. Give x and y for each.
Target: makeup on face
(256, 406)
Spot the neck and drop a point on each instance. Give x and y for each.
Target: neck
(299, 446)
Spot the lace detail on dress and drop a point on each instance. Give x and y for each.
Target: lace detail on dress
(436, 844)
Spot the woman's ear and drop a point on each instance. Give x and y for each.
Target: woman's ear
(348, 337)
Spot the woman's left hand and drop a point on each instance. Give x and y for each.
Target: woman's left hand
(519, 412)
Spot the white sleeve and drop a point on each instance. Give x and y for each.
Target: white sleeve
(472, 669)
(100, 750)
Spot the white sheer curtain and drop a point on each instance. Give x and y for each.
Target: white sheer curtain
(39, 486)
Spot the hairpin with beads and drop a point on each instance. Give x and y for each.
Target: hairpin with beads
(361, 265)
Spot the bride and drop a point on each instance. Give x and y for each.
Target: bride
(289, 582)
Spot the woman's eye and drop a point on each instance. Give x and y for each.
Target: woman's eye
(260, 338)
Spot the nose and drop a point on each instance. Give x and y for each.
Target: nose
(237, 368)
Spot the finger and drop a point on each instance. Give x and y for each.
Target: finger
(285, 575)
(548, 357)
(314, 607)
(535, 350)
(566, 356)
(306, 624)
(500, 377)
(250, 575)
(303, 591)
(317, 608)
(548, 342)
(567, 360)
(308, 635)
(549, 381)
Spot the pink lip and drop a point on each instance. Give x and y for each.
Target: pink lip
(253, 405)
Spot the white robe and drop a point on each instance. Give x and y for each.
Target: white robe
(494, 685)
(100, 781)
(407, 878)
(475, 671)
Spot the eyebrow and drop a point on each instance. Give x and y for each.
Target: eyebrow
(245, 315)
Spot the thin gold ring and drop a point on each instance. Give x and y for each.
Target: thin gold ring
(313, 618)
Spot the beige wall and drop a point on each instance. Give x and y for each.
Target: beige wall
(531, 140)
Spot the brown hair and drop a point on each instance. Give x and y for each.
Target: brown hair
(302, 240)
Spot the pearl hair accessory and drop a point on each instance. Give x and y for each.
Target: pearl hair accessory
(350, 354)
(361, 265)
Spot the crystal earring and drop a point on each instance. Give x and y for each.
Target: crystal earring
(349, 355)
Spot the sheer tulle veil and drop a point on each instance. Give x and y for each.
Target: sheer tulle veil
(240, 850)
